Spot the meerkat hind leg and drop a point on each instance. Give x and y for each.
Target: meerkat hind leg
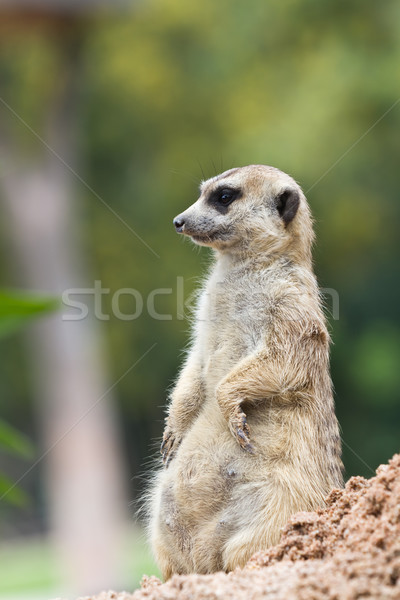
(164, 561)
(246, 542)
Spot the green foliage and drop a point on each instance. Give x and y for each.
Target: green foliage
(11, 493)
(376, 366)
(14, 442)
(15, 310)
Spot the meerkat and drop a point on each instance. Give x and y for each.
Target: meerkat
(251, 435)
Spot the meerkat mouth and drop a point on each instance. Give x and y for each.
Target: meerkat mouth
(203, 240)
(209, 238)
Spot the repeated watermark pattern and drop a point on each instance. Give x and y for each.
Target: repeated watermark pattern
(89, 301)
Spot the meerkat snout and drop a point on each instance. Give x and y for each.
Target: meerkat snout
(179, 224)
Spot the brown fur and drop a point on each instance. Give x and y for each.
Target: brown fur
(251, 435)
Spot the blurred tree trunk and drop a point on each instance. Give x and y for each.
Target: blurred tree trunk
(83, 470)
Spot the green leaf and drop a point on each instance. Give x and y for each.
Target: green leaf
(15, 442)
(16, 308)
(11, 493)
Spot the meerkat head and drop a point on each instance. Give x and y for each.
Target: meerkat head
(249, 209)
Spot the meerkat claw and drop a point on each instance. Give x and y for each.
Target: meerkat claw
(167, 459)
(244, 439)
(169, 446)
(166, 445)
(167, 456)
(166, 441)
(241, 431)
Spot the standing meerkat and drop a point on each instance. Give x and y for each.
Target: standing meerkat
(251, 435)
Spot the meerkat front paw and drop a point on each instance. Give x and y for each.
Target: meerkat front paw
(170, 442)
(240, 429)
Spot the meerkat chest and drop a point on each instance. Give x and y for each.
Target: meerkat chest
(231, 321)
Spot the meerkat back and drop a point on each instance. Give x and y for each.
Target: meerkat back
(251, 435)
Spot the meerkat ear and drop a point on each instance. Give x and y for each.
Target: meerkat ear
(287, 203)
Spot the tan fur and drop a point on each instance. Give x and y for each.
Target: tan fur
(251, 435)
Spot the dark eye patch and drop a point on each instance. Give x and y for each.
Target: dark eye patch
(222, 197)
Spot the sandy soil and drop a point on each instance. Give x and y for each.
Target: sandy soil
(349, 550)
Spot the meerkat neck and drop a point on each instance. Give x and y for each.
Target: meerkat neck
(257, 261)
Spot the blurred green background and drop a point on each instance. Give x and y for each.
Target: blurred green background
(166, 93)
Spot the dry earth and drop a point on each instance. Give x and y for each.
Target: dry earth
(350, 549)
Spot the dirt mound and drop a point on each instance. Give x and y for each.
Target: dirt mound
(351, 549)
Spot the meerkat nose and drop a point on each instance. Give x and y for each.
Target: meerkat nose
(179, 224)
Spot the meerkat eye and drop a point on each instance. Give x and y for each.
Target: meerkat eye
(221, 198)
(226, 196)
